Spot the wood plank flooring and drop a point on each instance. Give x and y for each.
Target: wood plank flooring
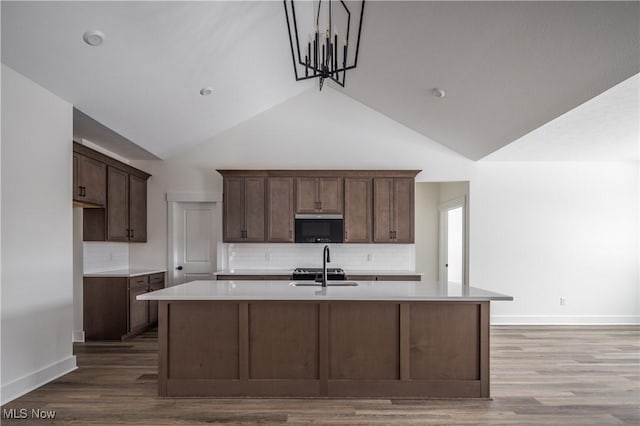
(539, 375)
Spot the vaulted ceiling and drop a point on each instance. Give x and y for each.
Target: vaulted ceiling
(507, 67)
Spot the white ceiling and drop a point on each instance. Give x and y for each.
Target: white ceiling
(605, 128)
(507, 67)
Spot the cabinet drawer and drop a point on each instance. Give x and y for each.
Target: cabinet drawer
(141, 281)
(156, 278)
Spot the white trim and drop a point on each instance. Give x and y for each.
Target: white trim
(78, 336)
(25, 384)
(442, 230)
(194, 197)
(565, 319)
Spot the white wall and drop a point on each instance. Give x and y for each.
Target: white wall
(37, 259)
(540, 231)
(314, 130)
(521, 240)
(426, 226)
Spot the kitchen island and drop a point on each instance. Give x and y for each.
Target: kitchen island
(376, 339)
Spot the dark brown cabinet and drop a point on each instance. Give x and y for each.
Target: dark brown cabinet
(393, 210)
(137, 209)
(280, 221)
(260, 205)
(156, 282)
(89, 180)
(244, 209)
(114, 195)
(126, 207)
(117, 205)
(357, 210)
(138, 309)
(111, 310)
(319, 195)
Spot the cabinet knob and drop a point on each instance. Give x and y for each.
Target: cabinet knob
(179, 268)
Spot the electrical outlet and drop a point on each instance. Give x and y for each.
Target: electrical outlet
(369, 257)
(563, 301)
(267, 256)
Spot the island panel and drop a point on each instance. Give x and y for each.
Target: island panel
(283, 340)
(364, 340)
(203, 341)
(324, 348)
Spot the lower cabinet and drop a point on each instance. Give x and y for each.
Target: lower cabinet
(138, 309)
(111, 310)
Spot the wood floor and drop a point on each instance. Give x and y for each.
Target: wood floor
(539, 375)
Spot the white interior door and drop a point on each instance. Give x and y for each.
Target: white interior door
(194, 251)
(453, 242)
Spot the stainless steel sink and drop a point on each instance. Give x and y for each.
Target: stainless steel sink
(329, 284)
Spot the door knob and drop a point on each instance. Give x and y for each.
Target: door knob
(179, 268)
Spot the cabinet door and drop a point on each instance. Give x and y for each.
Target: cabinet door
(307, 195)
(403, 210)
(117, 205)
(92, 178)
(233, 206)
(137, 209)
(254, 193)
(383, 210)
(330, 195)
(76, 187)
(138, 309)
(156, 282)
(357, 210)
(280, 209)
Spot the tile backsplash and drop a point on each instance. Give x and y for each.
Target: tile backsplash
(105, 256)
(376, 257)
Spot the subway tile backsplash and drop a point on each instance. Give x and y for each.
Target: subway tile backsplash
(105, 256)
(376, 257)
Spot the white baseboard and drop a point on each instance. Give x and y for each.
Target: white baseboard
(19, 387)
(78, 336)
(565, 319)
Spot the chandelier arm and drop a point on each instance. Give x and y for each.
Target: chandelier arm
(348, 23)
(355, 62)
(293, 56)
(295, 27)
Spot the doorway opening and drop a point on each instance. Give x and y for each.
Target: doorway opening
(453, 242)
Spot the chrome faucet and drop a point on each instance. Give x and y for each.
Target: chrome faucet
(326, 258)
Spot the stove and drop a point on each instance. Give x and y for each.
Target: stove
(333, 274)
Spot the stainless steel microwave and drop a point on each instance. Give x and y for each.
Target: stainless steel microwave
(319, 228)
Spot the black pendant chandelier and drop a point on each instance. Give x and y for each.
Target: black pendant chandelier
(325, 55)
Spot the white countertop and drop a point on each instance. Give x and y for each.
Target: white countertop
(282, 290)
(132, 272)
(290, 271)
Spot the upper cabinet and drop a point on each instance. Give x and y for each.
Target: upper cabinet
(113, 194)
(260, 205)
(319, 195)
(357, 210)
(280, 221)
(89, 180)
(126, 207)
(393, 210)
(244, 209)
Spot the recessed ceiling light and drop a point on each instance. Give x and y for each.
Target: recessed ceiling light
(93, 37)
(437, 92)
(206, 91)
